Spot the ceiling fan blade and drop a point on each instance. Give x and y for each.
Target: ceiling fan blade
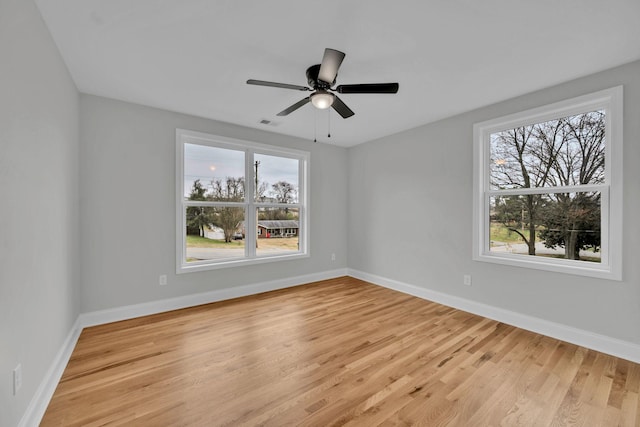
(342, 108)
(369, 88)
(294, 107)
(274, 84)
(330, 64)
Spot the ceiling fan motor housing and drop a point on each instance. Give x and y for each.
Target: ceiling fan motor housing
(322, 77)
(312, 78)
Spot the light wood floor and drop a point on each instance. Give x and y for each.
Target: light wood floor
(338, 352)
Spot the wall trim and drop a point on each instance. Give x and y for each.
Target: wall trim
(38, 404)
(101, 317)
(612, 346)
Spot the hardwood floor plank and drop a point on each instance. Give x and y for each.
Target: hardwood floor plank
(337, 352)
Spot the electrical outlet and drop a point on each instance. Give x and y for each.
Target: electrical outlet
(17, 379)
(333, 257)
(162, 280)
(466, 279)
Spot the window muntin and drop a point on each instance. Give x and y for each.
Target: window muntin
(214, 226)
(548, 187)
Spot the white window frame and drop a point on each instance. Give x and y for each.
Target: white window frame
(250, 205)
(610, 267)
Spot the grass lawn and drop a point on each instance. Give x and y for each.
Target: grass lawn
(582, 257)
(287, 243)
(203, 242)
(500, 233)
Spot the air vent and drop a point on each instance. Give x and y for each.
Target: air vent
(268, 122)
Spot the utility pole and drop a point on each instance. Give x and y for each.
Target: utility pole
(256, 189)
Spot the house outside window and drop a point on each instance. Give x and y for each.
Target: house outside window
(548, 187)
(226, 191)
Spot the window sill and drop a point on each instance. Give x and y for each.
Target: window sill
(204, 266)
(579, 268)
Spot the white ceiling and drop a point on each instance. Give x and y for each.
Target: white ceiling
(449, 56)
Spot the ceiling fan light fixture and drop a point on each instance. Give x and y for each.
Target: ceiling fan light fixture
(322, 99)
(321, 78)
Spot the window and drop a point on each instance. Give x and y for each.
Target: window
(548, 187)
(238, 202)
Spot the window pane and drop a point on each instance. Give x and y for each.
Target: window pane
(560, 152)
(214, 233)
(213, 173)
(276, 178)
(278, 231)
(557, 225)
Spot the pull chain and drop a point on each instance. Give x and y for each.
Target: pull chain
(329, 124)
(315, 125)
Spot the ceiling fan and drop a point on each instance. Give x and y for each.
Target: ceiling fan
(321, 78)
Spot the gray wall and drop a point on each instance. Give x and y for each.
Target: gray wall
(128, 206)
(410, 218)
(102, 213)
(39, 257)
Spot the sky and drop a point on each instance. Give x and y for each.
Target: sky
(208, 163)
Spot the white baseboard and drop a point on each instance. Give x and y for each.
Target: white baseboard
(38, 405)
(612, 346)
(137, 310)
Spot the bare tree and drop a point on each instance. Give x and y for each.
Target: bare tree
(261, 191)
(284, 192)
(563, 152)
(518, 162)
(574, 220)
(281, 192)
(227, 218)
